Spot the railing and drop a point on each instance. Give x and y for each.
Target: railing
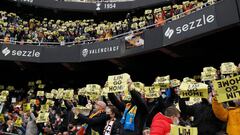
(197, 8)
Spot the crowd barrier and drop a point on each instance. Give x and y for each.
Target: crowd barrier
(214, 17)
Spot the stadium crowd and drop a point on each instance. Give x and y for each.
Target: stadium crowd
(33, 112)
(15, 30)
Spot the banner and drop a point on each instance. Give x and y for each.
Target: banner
(49, 95)
(3, 98)
(193, 90)
(208, 74)
(42, 118)
(93, 91)
(163, 82)
(118, 83)
(82, 91)
(102, 50)
(18, 122)
(21, 53)
(228, 68)
(151, 92)
(50, 102)
(40, 93)
(44, 108)
(138, 86)
(93, 6)
(68, 94)
(227, 89)
(175, 82)
(193, 100)
(5, 93)
(180, 130)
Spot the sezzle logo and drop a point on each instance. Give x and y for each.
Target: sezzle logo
(169, 32)
(6, 51)
(84, 52)
(204, 20)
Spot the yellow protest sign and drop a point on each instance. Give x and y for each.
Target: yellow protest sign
(18, 122)
(138, 86)
(5, 93)
(41, 86)
(60, 93)
(118, 83)
(42, 118)
(175, 82)
(26, 107)
(32, 101)
(30, 84)
(68, 95)
(228, 68)
(3, 98)
(188, 80)
(105, 92)
(193, 90)
(2, 118)
(40, 93)
(82, 91)
(54, 92)
(151, 92)
(44, 108)
(50, 102)
(39, 82)
(10, 88)
(93, 91)
(126, 95)
(163, 82)
(49, 95)
(208, 74)
(193, 100)
(1, 87)
(180, 130)
(227, 89)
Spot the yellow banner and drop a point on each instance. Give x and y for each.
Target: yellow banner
(118, 83)
(180, 130)
(138, 86)
(50, 102)
(163, 82)
(2, 118)
(42, 118)
(175, 82)
(151, 92)
(60, 93)
(227, 89)
(54, 92)
(40, 93)
(26, 107)
(44, 108)
(228, 68)
(193, 90)
(3, 98)
(49, 95)
(193, 100)
(68, 95)
(5, 93)
(82, 91)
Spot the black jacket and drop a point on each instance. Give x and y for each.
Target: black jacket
(141, 114)
(204, 118)
(117, 128)
(97, 123)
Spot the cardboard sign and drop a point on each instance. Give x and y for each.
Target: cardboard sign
(18, 122)
(49, 95)
(175, 83)
(228, 68)
(3, 98)
(50, 102)
(208, 74)
(44, 108)
(193, 100)
(93, 91)
(40, 93)
(180, 130)
(118, 83)
(5, 93)
(188, 80)
(151, 92)
(82, 91)
(39, 82)
(163, 82)
(227, 89)
(68, 95)
(193, 90)
(138, 86)
(41, 86)
(42, 118)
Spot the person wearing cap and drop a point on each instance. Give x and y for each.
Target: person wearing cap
(96, 122)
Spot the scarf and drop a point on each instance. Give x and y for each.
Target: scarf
(128, 117)
(108, 127)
